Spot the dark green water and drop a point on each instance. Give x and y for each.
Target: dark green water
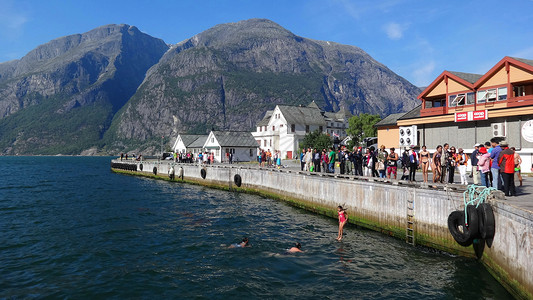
(72, 229)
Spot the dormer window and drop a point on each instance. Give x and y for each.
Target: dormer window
(430, 103)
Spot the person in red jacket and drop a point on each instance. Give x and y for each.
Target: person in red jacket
(506, 164)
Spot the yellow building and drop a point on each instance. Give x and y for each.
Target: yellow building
(463, 109)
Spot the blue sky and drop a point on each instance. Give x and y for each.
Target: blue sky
(416, 39)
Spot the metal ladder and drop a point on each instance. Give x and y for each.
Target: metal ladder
(410, 229)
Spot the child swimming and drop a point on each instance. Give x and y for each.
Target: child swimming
(297, 248)
(242, 244)
(343, 218)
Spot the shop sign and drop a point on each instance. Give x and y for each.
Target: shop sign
(471, 115)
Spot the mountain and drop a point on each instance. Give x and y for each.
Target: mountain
(62, 96)
(116, 89)
(228, 76)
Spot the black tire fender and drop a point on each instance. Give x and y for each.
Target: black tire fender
(456, 220)
(473, 221)
(203, 173)
(237, 180)
(487, 223)
(155, 170)
(141, 167)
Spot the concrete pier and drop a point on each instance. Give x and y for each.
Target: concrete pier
(379, 205)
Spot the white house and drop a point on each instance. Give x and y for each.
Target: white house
(184, 141)
(285, 127)
(198, 145)
(239, 143)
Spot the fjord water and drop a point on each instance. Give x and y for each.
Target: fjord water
(70, 228)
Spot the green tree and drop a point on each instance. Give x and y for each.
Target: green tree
(316, 139)
(362, 126)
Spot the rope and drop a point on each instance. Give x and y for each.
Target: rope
(476, 194)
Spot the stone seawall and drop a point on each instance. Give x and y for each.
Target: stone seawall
(380, 206)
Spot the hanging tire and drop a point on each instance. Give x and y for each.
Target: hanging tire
(237, 180)
(487, 223)
(141, 167)
(203, 173)
(155, 170)
(473, 221)
(458, 229)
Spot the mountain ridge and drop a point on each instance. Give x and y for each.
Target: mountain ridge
(129, 88)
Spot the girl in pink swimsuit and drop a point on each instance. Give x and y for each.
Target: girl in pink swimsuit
(343, 218)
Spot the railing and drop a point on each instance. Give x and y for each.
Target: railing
(520, 101)
(434, 111)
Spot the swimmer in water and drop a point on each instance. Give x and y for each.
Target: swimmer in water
(297, 248)
(242, 244)
(343, 218)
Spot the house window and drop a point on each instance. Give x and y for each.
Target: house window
(264, 143)
(212, 140)
(456, 100)
(251, 152)
(270, 143)
(470, 98)
(265, 128)
(293, 127)
(486, 96)
(519, 91)
(307, 128)
(435, 103)
(281, 126)
(502, 93)
(273, 128)
(260, 129)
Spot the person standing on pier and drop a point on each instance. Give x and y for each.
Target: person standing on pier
(331, 159)
(517, 164)
(392, 164)
(495, 168)
(437, 158)
(413, 164)
(444, 162)
(484, 166)
(423, 158)
(506, 163)
(473, 161)
(462, 161)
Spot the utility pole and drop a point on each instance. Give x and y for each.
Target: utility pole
(162, 137)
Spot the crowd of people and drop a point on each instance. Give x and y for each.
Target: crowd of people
(269, 159)
(493, 164)
(133, 156)
(368, 163)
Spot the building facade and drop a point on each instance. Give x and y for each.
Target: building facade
(240, 144)
(463, 109)
(184, 141)
(285, 127)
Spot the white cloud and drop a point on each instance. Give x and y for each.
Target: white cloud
(394, 30)
(350, 8)
(526, 53)
(12, 19)
(424, 73)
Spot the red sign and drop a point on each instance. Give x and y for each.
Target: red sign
(461, 117)
(480, 115)
(471, 116)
